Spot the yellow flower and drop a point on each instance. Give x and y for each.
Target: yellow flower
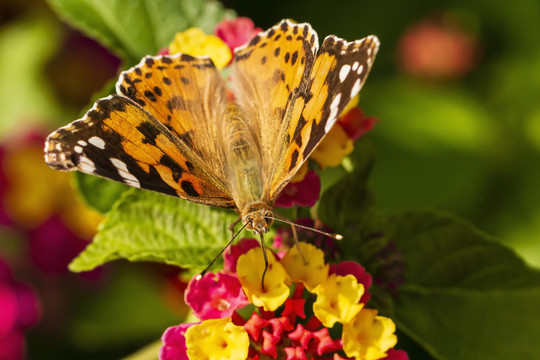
(195, 42)
(311, 269)
(36, 192)
(250, 268)
(368, 336)
(352, 104)
(300, 174)
(337, 299)
(333, 148)
(217, 339)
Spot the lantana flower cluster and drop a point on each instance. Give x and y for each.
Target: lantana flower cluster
(307, 309)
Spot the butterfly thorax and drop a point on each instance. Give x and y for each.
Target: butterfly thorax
(257, 217)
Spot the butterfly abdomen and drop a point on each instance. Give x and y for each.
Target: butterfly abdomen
(243, 159)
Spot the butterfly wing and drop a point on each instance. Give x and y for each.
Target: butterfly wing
(270, 72)
(293, 95)
(119, 140)
(188, 95)
(338, 74)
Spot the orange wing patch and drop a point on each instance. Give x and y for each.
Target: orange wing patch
(139, 151)
(178, 90)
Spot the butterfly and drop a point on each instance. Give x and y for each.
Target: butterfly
(172, 129)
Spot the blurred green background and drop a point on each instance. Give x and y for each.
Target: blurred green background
(456, 89)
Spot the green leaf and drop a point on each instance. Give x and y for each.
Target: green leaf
(465, 295)
(26, 45)
(99, 193)
(350, 194)
(146, 226)
(135, 28)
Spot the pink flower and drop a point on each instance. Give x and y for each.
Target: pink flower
(396, 355)
(4, 218)
(434, 49)
(303, 193)
(236, 32)
(356, 124)
(54, 234)
(354, 268)
(215, 296)
(232, 254)
(174, 343)
(19, 309)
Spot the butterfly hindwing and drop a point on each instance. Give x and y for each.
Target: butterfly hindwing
(119, 140)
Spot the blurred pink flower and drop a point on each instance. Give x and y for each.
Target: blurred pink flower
(19, 310)
(302, 193)
(215, 296)
(236, 32)
(54, 234)
(436, 50)
(394, 354)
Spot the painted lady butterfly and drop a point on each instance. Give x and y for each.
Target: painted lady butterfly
(172, 130)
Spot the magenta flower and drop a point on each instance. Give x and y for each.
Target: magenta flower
(19, 309)
(394, 354)
(302, 193)
(215, 296)
(232, 254)
(54, 234)
(236, 32)
(174, 343)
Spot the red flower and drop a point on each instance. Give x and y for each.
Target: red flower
(302, 193)
(356, 124)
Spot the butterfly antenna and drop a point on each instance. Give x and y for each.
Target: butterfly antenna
(286, 221)
(198, 277)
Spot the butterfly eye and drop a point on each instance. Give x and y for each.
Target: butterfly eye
(268, 214)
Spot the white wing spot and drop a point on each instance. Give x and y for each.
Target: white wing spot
(86, 165)
(333, 113)
(124, 172)
(355, 65)
(82, 143)
(369, 61)
(344, 72)
(356, 87)
(369, 51)
(360, 69)
(78, 149)
(97, 142)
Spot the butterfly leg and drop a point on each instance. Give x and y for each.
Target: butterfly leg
(295, 236)
(233, 225)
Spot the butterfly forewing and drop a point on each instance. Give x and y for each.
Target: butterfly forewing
(119, 140)
(270, 72)
(188, 95)
(337, 76)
